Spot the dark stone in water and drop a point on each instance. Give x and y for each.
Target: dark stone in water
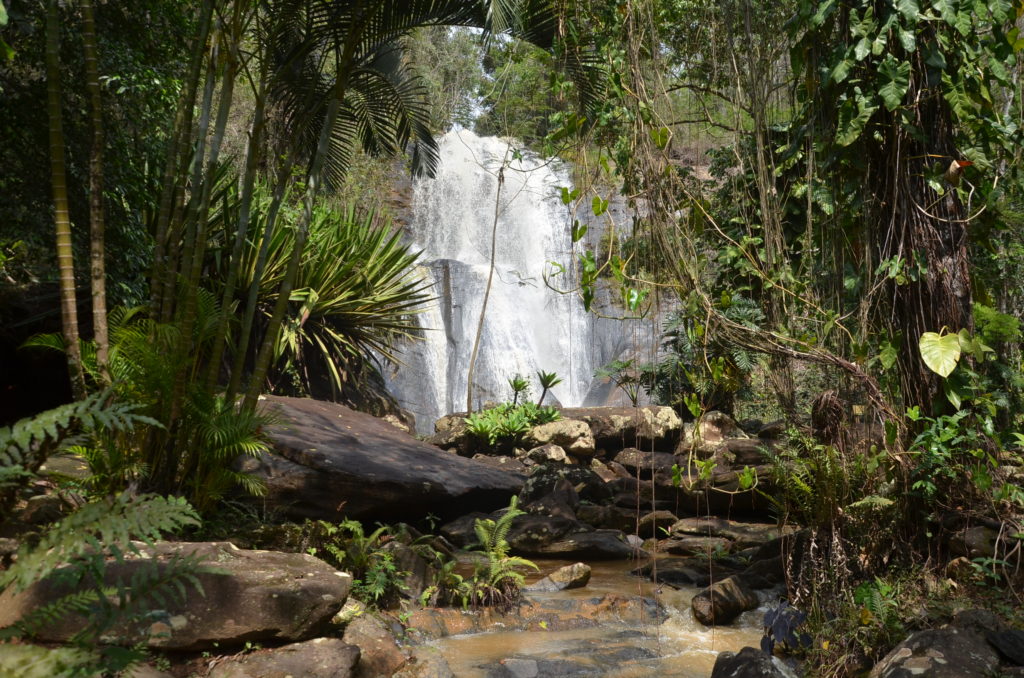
(517, 667)
(621, 655)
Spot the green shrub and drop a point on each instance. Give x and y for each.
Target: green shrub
(508, 423)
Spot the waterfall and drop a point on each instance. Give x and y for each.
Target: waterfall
(528, 326)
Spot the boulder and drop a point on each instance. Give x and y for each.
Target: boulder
(715, 426)
(609, 517)
(939, 653)
(425, 662)
(708, 434)
(974, 542)
(723, 601)
(379, 652)
(1009, 643)
(645, 464)
(742, 534)
(573, 436)
(588, 484)
(547, 454)
(773, 430)
(252, 596)
(652, 523)
(545, 483)
(43, 509)
(692, 545)
(568, 577)
(532, 532)
(584, 483)
(615, 428)
(329, 461)
(747, 451)
(765, 573)
(685, 572)
(596, 545)
(750, 662)
(461, 531)
(419, 573)
(502, 463)
(319, 658)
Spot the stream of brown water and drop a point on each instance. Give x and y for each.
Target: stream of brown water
(677, 646)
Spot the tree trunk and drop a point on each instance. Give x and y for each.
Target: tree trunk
(912, 223)
(97, 269)
(58, 174)
(265, 354)
(178, 141)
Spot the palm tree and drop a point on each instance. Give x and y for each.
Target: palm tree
(58, 173)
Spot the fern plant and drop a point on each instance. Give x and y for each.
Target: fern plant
(73, 554)
(498, 581)
(26, 445)
(210, 432)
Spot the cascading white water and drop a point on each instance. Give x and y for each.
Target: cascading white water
(527, 326)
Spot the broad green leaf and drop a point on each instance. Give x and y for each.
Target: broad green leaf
(3, 14)
(853, 117)
(660, 136)
(888, 355)
(842, 70)
(940, 352)
(909, 9)
(908, 40)
(578, 231)
(999, 71)
(634, 298)
(946, 10)
(824, 10)
(951, 394)
(934, 56)
(973, 344)
(598, 205)
(957, 98)
(862, 49)
(896, 81)
(963, 23)
(1001, 10)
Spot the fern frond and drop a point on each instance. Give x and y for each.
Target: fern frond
(50, 614)
(110, 523)
(33, 661)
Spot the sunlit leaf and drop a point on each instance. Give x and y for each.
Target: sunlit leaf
(940, 352)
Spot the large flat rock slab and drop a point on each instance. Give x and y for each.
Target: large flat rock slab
(250, 596)
(329, 461)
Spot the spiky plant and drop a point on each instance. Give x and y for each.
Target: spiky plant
(548, 380)
(356, 294)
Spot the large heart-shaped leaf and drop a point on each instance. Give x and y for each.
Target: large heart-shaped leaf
(940, 352)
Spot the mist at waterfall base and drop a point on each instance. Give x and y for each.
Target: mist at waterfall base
(527, 326)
